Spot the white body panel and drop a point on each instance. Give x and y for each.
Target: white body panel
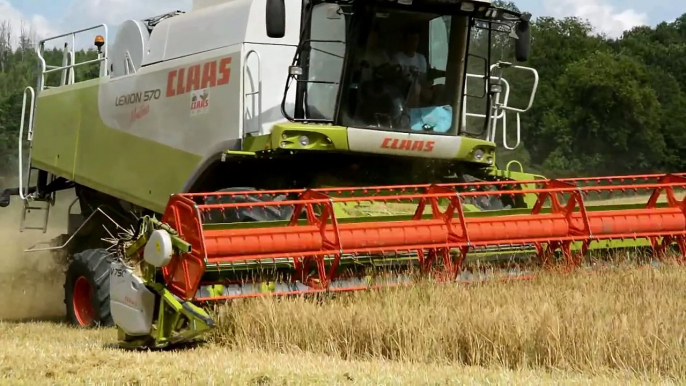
(131, 303)
(215, 26)
(157, 102)
(199, 84)
(202, 30)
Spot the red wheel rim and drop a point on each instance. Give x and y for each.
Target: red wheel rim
(83, 306)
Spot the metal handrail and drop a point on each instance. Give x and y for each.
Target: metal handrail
(27, 91)
(70, 66)
(45, 69)
(503, 107)
(259, 88)
(498, 111)
(490, 136)
(519, 134)
(533, 91)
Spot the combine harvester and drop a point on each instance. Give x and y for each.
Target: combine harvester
(230, 151)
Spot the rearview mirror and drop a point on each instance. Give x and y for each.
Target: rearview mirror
(523, 39)
(276, 18)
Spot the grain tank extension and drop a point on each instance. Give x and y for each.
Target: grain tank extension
(267, 147)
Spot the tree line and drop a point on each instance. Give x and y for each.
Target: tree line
(604, 105)
(607, 106)
(19, 68)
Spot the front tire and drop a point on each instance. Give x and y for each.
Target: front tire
(87, 289)
(244, 214)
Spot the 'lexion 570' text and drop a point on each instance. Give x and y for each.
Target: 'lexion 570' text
(138, 97)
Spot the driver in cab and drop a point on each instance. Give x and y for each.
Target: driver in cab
(401, 104)
(414, 66)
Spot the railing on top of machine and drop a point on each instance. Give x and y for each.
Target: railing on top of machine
(69, 60)
(498, 109)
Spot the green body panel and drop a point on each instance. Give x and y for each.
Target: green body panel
(321, 137)
(57, 126)
(507, 174)
(71, 141)
(470, 145)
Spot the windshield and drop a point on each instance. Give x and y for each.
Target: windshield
(406, 71)
(394, 68)
(326, 56)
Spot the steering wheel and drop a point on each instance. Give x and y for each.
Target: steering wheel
(383, 96)
(389, 73)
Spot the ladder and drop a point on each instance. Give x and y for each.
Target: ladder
(31, 201)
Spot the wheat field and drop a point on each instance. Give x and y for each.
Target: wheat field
(630, 321)
(624, 327)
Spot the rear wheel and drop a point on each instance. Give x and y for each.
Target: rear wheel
(87, 289)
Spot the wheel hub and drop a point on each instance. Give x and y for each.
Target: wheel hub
(82, 302)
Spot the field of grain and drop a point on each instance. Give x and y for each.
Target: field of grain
(51, 354)
(631, 321)
(625, 327)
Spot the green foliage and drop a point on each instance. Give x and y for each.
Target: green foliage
(19, 68)
(604, 106)
(609, 121)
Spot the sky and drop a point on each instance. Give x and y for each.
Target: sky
(51, 17)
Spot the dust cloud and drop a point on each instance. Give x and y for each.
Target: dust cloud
(31, 283)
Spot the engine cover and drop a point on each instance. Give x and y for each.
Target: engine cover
(131, 303)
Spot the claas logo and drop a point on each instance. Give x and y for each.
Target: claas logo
(407, 144)
(197, 77)
(200, 101)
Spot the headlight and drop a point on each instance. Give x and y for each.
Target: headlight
(478, 154)
(304, 141)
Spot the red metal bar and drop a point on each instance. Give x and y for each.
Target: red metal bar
(183, 274)
(416, 196)
(224, 246)
(450, 229)
(454, 186)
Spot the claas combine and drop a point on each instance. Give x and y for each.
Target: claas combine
(262, 147)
